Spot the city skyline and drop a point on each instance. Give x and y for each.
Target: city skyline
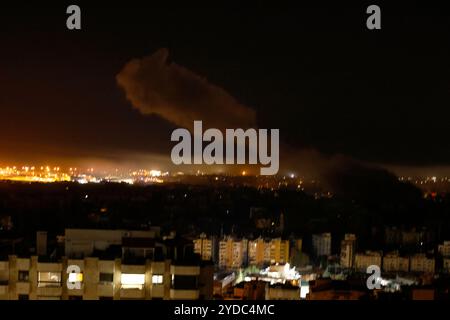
(224, 153)
(71, 97)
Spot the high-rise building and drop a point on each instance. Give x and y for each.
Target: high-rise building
(271, 251)
(297, 244)
(369, 258)
(321, 244)
(279, 251)
(125, 265)
(232, 252)
(446, 265)
(444, 249)
(256, 251)
(348, 247)
(393, 262)
(205, 247)
(83, 242)
(420, 263)
(96, 279)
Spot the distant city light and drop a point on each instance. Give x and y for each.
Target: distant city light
(155, 173)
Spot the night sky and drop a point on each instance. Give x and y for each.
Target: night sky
(332, 87)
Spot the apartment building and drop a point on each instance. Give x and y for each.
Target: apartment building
(321, 244)
(108, 264)
(279, 251)
(94, 279)
(348, 247)
(393, 262)
(369, 258)
(261, 251)
(232, 252)
(446, 265)
(444, 249)
(258, 252)
(420, 263)
(205, 247)
(84, 242)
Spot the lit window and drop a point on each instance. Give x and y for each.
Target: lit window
(157, 279)
(49, 279)
(132, 281)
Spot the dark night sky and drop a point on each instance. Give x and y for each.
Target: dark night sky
(316, 73)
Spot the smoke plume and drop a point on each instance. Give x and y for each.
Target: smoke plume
(154, 85)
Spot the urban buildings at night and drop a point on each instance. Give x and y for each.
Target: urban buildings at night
(248, 246)
(112, 264)
(205, 155)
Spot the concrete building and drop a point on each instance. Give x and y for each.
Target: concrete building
(95, 279)
(393, 262)
(411, 237)
(348, 247)
(261, 252)
(321, 244)
(205, 247)
(83, 242)
(232, 252)
(258, 252)
(364, 260)
(279, 251)
(444, 249)
(297, 244)
(122, 265)
(446, 265)
(420, 263)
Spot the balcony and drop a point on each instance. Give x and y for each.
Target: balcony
(105, 290)
(23, 288)
(3, 287)
(132, 294)
(49, 291)
(177, 294)
(76, 292)
(4, 265)
(158, 291)
(185, 270)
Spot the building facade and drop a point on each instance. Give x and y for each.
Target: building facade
(420, 263)
(348, 247)
(205, 247)
(95, 279)
(369, 258)
(321, 244)
(232, 252)
(272, 251)
(444, 249)
(393, 262)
